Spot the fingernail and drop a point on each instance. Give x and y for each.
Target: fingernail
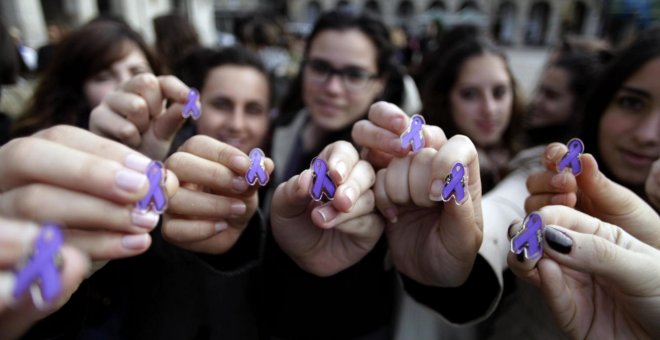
(520, 257)
(239, 184)
(558, 240)
(239, 161)
(147, 220)
(137, 162)
(135, 242)
(436, 190)
(553, 152)
(238, 208)
(397, 123)
(129, 180)
(391, 214)
(220, 226)
(341, 169)
(395, 145)
(350, 194)
(327, 213)
(558, 181)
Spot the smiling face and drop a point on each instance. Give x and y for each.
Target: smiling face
(629, 131)
(106, 81)
(235, 103)
(553, 101)
(481, 101)
(332, 105)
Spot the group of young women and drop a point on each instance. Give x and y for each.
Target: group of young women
(229, 261)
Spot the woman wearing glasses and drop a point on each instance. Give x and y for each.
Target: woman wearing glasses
(322, 258)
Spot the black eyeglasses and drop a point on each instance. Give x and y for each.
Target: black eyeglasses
(353, 77)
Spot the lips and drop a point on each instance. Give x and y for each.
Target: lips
(637, 159)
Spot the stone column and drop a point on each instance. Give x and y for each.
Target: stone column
(82, 10)
(554, 22)
(27, 16)
(523, 14)
(201, 14)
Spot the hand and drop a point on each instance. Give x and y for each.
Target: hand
(326, 238)
(135, 115)
(215, 203)
(598, 280)
(432, 242)
(592, 193)
(652, 186)
(380, 134)
(85, 183)
(16, 243)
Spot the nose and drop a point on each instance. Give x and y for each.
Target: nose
(334, 83)
(647, 131)
(489, 105)
(237, 120)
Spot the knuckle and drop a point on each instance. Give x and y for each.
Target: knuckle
(27, 200)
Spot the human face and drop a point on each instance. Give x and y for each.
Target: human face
(332, 106)
(553, 101)
(481, 100)
(629, 131)
(108, 80)
(235, 101)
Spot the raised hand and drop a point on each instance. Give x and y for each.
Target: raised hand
(215, 203)
(652, 185)
(135, 115)
(326, 238)
(598, 280)
(434, 243)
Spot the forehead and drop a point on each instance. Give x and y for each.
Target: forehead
(483, 69)
(555, 77)
(345, 47)
(237, 82)
(646, 77)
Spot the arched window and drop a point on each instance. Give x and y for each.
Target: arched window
(313, 11)
(537, 24)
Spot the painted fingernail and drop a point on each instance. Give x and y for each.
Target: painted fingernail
(147, 220)
(436, 190)
(558, 240)
(341, 169)
(553, 152)
(239, 184)
(558, 181)
(395, 145)
(137, 162)
(520, 257)
(327, 213)
(391, 214)
(350, 194)
(220, 226)
(239, 161)
(238, 208)
(135, 242)
(129, 180)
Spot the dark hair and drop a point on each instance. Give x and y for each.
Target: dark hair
(59, 98)
(626, 62)
(435, 95)
(9, 64)
(175, 37)
(193, 69)
(343, 19)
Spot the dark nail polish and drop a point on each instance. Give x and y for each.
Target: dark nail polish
(520, 257)
(558, 240)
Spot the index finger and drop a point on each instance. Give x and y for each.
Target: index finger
(341, 157)
(147, 86)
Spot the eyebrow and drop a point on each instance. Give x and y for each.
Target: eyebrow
(636, 91)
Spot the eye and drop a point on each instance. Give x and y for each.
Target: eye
(319, 66)
(631, 103)
(500, 91)
(468, 94)
(102, 76)
(139, 70)
(255, 109)
(355, 75)
(222, 104)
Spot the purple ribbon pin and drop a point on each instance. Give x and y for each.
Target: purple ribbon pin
(191, 107)
(530, 239)
(322, 183)
(155, 199)
(42, 266)
(572, 157)
(455, 184)
(257, 170)
(413, 134)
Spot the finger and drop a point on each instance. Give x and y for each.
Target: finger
(551, 182)
(538, 201)
(388, 117)
(434, 137)
(552, 155)
(520, 265)
(16, 238)
(179, 231)
(100, 245)
(419, 177)
(169, 123)
(369, 135)
(328, 216)
(23, 312)
(359, 181)
(146, 86)
(222, 153)
(69, 168)
(108, 124)
(559, 297)
(292, 198)
(190, 168)
(341, 157)
(383, 203)
(130, 106)
(205, 205)
(397, 189)
(364, 229)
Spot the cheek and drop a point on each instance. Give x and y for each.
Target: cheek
(209, 121)
(258, 126)
(95, 91)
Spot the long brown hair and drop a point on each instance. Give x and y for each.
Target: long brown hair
(59, 96)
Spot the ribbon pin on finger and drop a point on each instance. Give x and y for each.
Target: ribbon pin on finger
(42, 268)
(156, 197)
(530, 239)
(257, 170)
(455, 184)
(322, 183)
(413, 134)
(572, 157)
(192, 105)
